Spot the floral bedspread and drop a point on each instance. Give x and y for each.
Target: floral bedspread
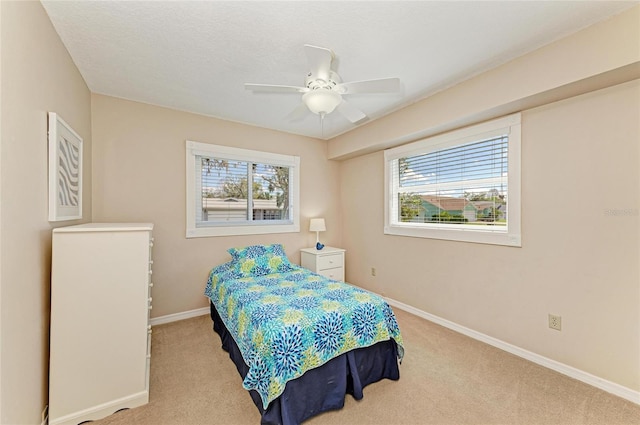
(288, 323)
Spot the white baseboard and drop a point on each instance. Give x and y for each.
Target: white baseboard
(179, 316)
(102, 410)
(603, 384)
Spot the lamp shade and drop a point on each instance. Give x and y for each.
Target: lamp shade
(317, 225)
(322, 101)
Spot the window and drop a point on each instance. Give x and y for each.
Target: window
(232, 191)
(463, 185)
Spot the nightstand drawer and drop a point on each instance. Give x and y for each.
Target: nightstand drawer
(335, 273)
(330, 261)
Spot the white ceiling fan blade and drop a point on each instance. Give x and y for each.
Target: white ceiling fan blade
(298, 114)
(270, 88)
(383, 85)
(319, 60)
(351, 113)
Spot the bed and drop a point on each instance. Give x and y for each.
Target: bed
(300, 341)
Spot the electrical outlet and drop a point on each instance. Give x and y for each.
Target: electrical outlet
(555, 322)
(373, 271)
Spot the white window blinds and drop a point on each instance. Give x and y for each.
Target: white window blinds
(463, 185)
(242, 191)
(232, 191)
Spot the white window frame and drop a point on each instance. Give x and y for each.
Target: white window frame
(194, 149)
(496, 235)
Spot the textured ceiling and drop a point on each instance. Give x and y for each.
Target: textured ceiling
(196, 55)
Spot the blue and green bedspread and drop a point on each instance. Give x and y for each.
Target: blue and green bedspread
(286, 323)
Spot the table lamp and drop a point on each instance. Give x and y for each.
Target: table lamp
(317, 225)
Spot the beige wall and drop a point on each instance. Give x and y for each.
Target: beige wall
(579, 159)
(589, 276)
(1, 214)
(37, 76)
(139, 175)
(601, 55)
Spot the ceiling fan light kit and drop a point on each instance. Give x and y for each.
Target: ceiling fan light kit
(321, 101)
(324, 88)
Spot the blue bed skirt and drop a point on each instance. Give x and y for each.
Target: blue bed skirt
(321, 389)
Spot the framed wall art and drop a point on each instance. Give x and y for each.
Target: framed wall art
(65, 171)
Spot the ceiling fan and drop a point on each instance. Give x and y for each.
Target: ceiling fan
(324, 90)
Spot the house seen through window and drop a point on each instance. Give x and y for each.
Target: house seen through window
(465, 184)
(462, 185)
(243, 191)
(238, 191)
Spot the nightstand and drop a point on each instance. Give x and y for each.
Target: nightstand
(327, 262)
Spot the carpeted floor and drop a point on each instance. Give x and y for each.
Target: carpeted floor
(445, 378)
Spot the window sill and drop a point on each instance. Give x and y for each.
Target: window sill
(209, 231)
(457, 235)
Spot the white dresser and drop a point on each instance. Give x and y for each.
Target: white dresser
(100, 347)
(327, 262)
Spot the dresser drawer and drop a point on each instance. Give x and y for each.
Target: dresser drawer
(330, 261)
(335, 273)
